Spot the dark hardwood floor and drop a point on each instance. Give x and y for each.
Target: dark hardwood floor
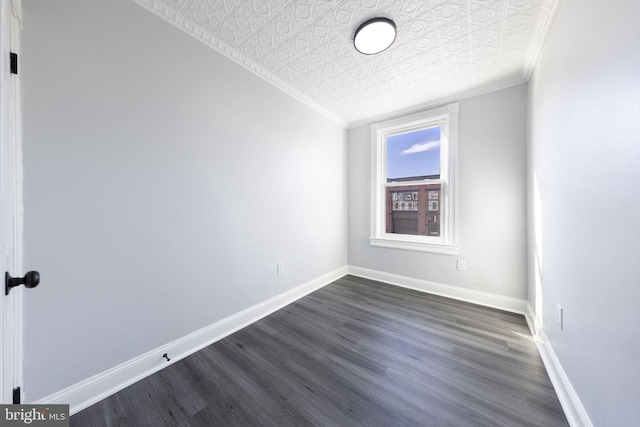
(356, 352)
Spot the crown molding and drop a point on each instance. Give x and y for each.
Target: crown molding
(158, 8)
(477, 91)
(546, 18)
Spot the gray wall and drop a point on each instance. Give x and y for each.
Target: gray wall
(584, 163)
(163, 183)
(492, 201)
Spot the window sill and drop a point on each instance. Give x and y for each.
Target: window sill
(414, 245)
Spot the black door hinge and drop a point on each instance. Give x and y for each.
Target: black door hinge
(14, 62)
(16, 396)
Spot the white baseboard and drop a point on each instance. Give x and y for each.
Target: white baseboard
(514, 305)
(574, 410)
(571, 404)
(569, 400)
(90, 391)
(532, 320)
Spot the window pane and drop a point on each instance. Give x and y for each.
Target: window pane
(414, 181)
(413, 209)
(414, 155)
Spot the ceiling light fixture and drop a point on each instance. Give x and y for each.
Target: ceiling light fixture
(374, 36)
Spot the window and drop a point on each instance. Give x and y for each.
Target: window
(413, 189)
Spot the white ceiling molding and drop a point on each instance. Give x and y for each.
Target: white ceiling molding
(435, 103)
(548, 13)
(192, 29)
(444, 50)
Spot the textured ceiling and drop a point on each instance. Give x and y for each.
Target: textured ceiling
(445, 49)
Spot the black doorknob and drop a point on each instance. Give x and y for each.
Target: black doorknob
(30, 280)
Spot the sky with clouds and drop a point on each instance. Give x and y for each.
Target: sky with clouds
(414, 153)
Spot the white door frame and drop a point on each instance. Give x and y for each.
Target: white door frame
(11, 203)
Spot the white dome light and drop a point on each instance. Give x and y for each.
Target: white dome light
(374, 36)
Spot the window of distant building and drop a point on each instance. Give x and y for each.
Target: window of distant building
(413, 189)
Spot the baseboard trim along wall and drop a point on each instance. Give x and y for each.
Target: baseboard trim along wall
(571, 404)
(574, 410)
(90, 391)
(100, 386)
(514, 305)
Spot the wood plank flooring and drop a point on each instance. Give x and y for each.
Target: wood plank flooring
(356, 352)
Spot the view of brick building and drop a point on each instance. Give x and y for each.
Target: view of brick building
(414, 209)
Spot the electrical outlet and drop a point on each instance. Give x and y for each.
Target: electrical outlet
(280, 268)
(462, 265)
(560, 316)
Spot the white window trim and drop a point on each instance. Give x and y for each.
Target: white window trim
(447, 243)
